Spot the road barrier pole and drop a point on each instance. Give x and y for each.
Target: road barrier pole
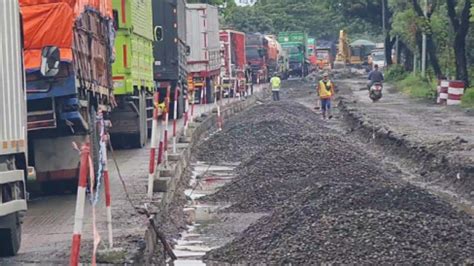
(175, 117)
(201, 96)
(162, 135)
(186, 114)
(108, 201)
(165, 140)
(193, 100)
(80, 202)
(154, 144)
(204, 100)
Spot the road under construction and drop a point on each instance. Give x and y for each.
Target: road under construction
(380, 183)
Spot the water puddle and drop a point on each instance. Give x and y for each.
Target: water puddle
(197, 240)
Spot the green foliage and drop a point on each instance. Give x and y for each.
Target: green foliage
(395, 73)
(405, 24)
(417, 87)
(468, 98)
(317, 17)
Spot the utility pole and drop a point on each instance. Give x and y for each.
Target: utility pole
(384, 32)
(397, 51)
(423, 56)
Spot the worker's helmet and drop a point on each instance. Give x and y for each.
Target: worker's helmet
(325, 75)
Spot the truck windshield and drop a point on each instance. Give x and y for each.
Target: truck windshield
(252, 53)
(379, 57)
(292, 50)
(323, 55)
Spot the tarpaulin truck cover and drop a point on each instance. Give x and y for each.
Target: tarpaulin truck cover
(47, 25)
(50, 23)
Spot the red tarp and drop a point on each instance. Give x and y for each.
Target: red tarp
(50, 23)
(47, 25)
(103, 6)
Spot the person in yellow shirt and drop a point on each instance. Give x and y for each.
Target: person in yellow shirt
(275, 82)
(326, 94)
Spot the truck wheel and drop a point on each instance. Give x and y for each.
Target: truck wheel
(10, 235)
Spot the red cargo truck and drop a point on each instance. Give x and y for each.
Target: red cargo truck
(255, 46)
(234, 61)
(273, 49)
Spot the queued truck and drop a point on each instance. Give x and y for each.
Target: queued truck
(204, 63)
(272, 50)
(132, 73)
(255, 49)
(234, 61)
(67, 55)
(13, 135)
(312, 54)
(325, 53)
(296, 43)
(170, 50)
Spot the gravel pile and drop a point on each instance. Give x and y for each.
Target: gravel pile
(248, 132)
(329, 202)
(266, 180)
(352, 237)
(350, 223)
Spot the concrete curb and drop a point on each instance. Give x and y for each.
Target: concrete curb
(166, 183)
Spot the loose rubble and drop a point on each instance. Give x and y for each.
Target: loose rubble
(328, 201)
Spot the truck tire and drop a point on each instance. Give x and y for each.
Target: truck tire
(138, 139)
(10, 235)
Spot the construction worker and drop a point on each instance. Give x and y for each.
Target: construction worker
(248, 77)
(275, 82)
(326, 94)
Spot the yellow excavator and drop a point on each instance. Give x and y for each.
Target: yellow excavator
(343, 57)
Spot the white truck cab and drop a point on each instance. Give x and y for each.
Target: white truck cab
(13, 131)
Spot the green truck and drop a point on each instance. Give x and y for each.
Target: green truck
(295, 43)
(132, 73)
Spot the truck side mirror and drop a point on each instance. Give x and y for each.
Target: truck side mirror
(50, 59)
(188, 50)
(158, 33)
(261, 52)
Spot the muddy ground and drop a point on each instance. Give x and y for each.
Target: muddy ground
(332, 193)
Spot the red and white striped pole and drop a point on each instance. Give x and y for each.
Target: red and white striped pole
(186, 114)
(193, 100)
(175, 116)
(161, 143)
(167, 118)
(204, 87)
(108, 201)
(219, 118)
(202, 95)
(80, 202)
(154, 144)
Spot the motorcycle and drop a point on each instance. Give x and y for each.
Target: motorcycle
(375, 92)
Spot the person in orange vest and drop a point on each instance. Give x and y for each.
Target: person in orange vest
(326, 94)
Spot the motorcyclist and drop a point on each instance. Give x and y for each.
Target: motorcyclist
(375, 76)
